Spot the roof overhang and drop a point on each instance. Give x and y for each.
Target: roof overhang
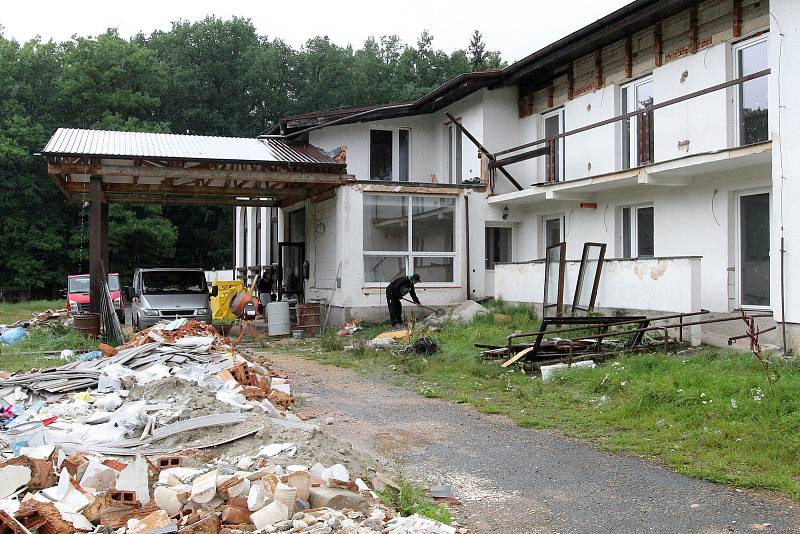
(143, 168)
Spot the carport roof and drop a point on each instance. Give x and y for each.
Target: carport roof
(150, 168)
(123, 145)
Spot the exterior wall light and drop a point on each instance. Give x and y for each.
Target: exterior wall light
(505, 212)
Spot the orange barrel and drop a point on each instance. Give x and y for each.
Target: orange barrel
(308, 318)
(88, 324)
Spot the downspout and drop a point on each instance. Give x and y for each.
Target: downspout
(466, 219)
(783, 301)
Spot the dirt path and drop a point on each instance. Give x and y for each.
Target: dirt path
(515, 480)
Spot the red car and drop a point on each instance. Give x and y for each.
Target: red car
(78, 294)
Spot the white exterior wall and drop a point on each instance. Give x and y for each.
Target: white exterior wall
(592, 152)
(784, 115)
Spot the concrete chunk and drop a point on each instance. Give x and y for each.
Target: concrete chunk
(336, 498)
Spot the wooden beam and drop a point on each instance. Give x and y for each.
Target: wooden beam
(628, 56)
(189, 190)
(190, 201)
(520, 157)
(551, 91)
(693, 29)
(194, 173)
(737, 18)
(659, 44)
(570, 80)
(96, 244)
(598, 69)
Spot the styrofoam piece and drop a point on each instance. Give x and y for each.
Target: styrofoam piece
(548, 371)
(274, 449)
(270, 514)
(258, 497)
(134, 478)
(42, 452)
(67, 494)
(167, 499)
(13, 477)
(337, 472)
(204, 487)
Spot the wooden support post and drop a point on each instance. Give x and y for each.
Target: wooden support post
(628, 57)
(570, 81)
(693, 30)
(598, 69)
(551, 91)
(659, 44)
(737, 18)
(98, 242)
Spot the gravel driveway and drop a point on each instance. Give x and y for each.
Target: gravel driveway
(516, 480)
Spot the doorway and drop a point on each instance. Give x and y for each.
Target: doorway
(753, 244)
(291, 260)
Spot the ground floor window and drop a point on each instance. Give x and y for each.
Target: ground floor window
(404, 234)
(637, 232)
(498, 246)
(552, 231)
(753, 222)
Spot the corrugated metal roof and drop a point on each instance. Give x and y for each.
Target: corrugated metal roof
(123, 145)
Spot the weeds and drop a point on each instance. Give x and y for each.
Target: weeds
(411, 499)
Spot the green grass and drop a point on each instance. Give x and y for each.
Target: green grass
(411, 499)
(46, 337)
(10, 313)
(708, 415)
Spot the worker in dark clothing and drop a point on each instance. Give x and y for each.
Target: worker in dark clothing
(397, 289)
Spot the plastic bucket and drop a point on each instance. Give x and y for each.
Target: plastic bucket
(278, 322)
(88, 324)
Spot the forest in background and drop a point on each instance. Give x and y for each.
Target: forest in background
(209, 77)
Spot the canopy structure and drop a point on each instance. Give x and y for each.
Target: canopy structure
(153, 168)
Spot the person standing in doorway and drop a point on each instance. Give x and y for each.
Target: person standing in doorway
(397, 289)
(263, 285)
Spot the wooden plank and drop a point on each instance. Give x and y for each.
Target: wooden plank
(96, 244)
(659, 44)
(693, 29)
(628, 56)
(195, 173)
(598, 69)
(189, 190)
(737, 18)
(570, 80)
(518, 356)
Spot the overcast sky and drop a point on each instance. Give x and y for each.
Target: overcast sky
(515, 27)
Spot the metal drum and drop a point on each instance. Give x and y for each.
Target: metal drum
(88, 324)
(308, 319)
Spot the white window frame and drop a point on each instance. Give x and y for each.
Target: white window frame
(395, 151)
(738, 239)
(737, 102)
(634, 221)
(410, 253)
(562, 230)
(510, 226)
(559, 112)
(453, 171)
(630, 104)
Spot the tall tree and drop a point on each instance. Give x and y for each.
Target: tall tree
(477, 51)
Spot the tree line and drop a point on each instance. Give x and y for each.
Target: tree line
(209, 77)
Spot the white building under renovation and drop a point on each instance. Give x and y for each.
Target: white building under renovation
(664, 130)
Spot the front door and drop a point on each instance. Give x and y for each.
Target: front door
(290, 270)
(753, 244)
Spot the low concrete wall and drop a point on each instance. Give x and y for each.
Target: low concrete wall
(658, 284)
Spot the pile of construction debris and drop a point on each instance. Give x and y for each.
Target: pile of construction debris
(178, 431)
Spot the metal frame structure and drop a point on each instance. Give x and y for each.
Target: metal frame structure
(559, 297)
(576, 305)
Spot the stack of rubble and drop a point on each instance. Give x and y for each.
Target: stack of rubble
(176, 431)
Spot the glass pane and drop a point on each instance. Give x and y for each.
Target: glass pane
(626, 131)
(433, 224)
(644, 232)
(297, 226)
(626, 233)
(553, 267)
(588, 275)
(753, 114)
(552, 232)
(552, 126)
(383, 269)
(292, 264)
(434, 269)
(458, 155)
(645, 133)
(498, 246)
(404, 155)
(380, 155)
(450, 154)
(754, 224)
(386, 223)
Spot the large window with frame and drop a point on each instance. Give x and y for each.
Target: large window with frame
(404, 234)
(499, 245)
(390, 154)
(636, 232)
(638, 136)
(752, 115)
(552, 230)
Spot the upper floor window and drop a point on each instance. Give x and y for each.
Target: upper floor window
(389, 154)
(552, 231)
(751, 110)
(637, 132)
(553, 124)
(453, 150)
